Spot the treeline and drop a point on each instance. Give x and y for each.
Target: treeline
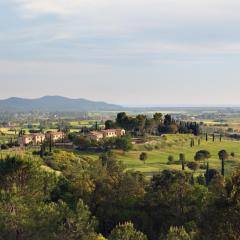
(157, 125)
(97, 200)
(122, 143)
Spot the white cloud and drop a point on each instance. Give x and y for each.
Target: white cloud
(173, 8)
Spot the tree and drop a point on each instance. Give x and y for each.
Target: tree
(124, 143)
(191, 143)
(50, 143)
(122, 120)
(143, 157)
(109, 124)
(213, 137)
(24, 189)
(126, 231)
(223, 155)
(202, 155)
(168, 120)
(157, 117)
(207, 174)
(81, 142)
(77, 224)
(182, 159)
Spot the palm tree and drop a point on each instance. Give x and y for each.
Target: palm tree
(223, 155)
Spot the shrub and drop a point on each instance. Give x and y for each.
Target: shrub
(143, 157)
(170, 158)
(4, 147)
(192, 165)
(202, 166)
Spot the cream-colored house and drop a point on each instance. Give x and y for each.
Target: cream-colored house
(97, 135)
(55, 136)
(38, 138)
(34, 138)
(25, 139)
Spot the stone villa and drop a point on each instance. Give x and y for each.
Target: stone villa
(97, 135)
(38, 138)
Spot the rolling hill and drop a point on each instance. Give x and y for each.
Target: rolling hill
(54, 104)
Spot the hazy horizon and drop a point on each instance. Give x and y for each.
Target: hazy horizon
(139, 105)
(155, 52)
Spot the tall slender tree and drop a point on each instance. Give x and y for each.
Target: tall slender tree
(182, 160)
(207, 174)
(223, 155)
(50, 143)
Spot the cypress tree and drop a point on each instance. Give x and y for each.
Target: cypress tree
(213, 137)
(223, 155)
(50, 144)
(41, 151)
(207, 174)
(182, 159)
(206, 137)
(223, 168)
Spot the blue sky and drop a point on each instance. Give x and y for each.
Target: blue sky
(132, 52)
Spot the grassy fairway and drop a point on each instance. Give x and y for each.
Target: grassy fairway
(176, 144)
(173, 145)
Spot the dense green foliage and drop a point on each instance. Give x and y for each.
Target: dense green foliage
(157, 125)
(84, 199)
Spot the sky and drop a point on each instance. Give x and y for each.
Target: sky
(129, 52)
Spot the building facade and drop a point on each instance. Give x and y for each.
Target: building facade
(55, 136)
(98, 135)
(38, 138)
(34, 138)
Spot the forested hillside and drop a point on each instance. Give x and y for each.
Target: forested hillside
(77, 198)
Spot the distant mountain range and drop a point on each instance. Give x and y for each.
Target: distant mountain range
(54, 104)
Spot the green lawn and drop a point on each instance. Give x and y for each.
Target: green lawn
(174, 145)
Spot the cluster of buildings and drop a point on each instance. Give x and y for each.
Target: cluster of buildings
(38, 138)
(102, 134)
